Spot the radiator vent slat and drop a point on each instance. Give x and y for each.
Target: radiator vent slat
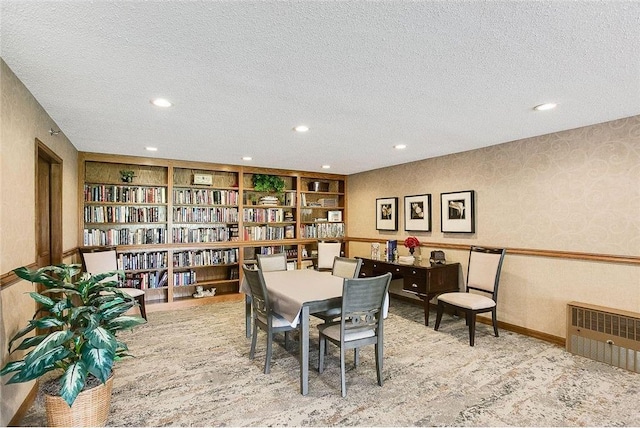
(604, 334)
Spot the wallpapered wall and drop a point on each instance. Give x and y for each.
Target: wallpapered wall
(23, 120)
(576, 190)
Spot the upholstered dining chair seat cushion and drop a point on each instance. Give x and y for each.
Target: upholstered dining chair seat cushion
(278, 320)
(335, 312)
(467, 300)
(333, 331)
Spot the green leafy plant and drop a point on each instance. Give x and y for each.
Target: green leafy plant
(127, 175)
(268, 183)
(81, 319)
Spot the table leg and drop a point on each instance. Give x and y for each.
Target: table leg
(247, 314)
(304, 350)
(426, 309)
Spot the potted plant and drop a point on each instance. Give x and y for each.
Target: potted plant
(268, 183)
(126, 175)
(80, 320)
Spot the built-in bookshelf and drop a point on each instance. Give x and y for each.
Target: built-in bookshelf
(180, 225)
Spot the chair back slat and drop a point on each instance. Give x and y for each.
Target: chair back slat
(362, 300)
(259, 296)
(272, 262)
(346, 268)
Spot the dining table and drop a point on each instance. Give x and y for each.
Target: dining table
(295, 295)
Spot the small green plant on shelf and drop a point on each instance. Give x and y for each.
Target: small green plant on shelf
(268, 183)
(126, 175)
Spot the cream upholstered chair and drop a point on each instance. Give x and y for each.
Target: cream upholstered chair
(361, 323)
(272, 262)
(483, 275)
(264, 317)
(327, 251)
(104, 259)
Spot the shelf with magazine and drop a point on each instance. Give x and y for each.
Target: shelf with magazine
(269, 207)
(146, 270)
(322, 208)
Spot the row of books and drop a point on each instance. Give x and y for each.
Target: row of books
(142, 260)
(205, 215)
(125, 194)
(205, 257)
(205, 197)
(184, 278)
(146, 280)
(124, 214)
(204, 234)
(125, 236)
(266, 215)
(322, 230)
(265, 233)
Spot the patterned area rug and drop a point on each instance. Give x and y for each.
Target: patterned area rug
(192, 368)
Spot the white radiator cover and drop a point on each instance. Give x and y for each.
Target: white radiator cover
(604, 334)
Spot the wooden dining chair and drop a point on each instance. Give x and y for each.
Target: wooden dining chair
(483, 275)
(361, 323)
(264, 318)
(272, 262)
(104, 259)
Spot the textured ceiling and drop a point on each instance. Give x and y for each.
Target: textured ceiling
(440, 77)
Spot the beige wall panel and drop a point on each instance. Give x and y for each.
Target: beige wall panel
(22, 121)
(577, 190)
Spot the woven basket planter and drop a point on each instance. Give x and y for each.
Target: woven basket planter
(91, 408)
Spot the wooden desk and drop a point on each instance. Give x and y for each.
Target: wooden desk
(425, 281)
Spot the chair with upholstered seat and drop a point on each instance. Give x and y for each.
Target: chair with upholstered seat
(264, 317)
(483, 275)
(104, 259)
(327, 252)
(361, 323)
(272, 262)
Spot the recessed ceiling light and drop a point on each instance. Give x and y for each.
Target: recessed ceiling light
(151, 149)
(545, 106)
(246, 158)
(301, 128)
(400, 146)
(326, 166)
(161, 102)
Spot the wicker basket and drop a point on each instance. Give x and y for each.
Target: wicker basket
(91, 408)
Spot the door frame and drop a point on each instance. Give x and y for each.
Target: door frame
(55, 202)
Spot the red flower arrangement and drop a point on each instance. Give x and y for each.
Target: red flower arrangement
(411, 243)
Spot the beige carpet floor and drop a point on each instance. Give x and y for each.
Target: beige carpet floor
(192, 369)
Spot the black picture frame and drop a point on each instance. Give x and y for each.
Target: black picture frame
(417, 213)
(458, 212)
(387, 213)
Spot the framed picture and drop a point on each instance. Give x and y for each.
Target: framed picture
(457, 212)
(334, 216)
(417, 213)
(387, 214)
